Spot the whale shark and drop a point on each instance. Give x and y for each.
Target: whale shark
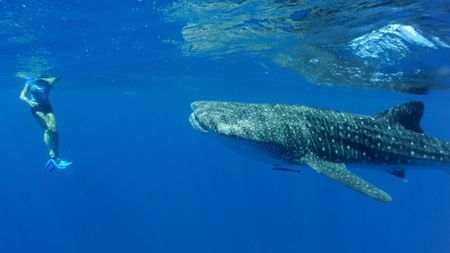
(327, 140)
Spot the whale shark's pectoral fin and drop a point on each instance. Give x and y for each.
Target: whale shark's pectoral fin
(340, 173)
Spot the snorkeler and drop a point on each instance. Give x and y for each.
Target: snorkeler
(35, 94)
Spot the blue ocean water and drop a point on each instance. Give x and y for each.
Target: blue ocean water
(144, 181)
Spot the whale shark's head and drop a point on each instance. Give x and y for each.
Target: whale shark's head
(226, 119)
(249, 126)
(197, 118)
(238, 126)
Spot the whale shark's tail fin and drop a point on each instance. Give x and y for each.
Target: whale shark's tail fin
(408, 115)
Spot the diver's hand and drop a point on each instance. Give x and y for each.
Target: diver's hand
(33, 104)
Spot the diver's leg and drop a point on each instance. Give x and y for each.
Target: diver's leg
(51, 136)
(51, 140)
(41, 119)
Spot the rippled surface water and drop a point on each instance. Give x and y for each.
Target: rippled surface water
(387, 44)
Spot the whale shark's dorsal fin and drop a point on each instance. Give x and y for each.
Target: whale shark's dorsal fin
(408, 115)
(340, 173)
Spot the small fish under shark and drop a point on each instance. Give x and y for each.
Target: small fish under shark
(327, 140)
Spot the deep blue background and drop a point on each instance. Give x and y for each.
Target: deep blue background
(144, 181)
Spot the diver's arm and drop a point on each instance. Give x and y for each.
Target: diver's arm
(24, 98)
(51, 80)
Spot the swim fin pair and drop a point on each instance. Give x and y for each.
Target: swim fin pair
(56, 163)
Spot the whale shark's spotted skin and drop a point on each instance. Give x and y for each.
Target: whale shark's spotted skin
(345, 137)
(325, 139)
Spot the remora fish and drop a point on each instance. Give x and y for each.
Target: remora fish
(326, 140)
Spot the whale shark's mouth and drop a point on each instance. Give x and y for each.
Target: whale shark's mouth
(199, 112)
(197, 124)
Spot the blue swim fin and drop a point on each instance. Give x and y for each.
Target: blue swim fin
(49, 166)
(61, 164)
(56, 163)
